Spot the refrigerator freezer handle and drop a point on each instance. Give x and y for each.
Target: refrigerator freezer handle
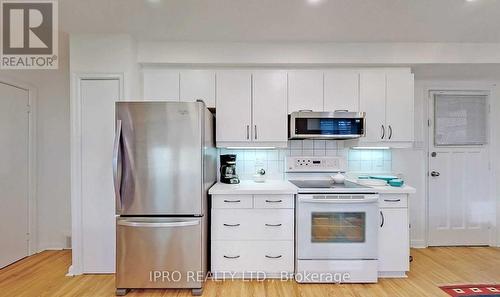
(116, 160)
(130, 223)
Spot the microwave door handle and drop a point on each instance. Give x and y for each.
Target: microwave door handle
(116, 165)
(131, 223)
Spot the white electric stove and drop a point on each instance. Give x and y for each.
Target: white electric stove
(336, 224)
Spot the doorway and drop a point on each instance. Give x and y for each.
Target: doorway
(14, 173)
(459, 205)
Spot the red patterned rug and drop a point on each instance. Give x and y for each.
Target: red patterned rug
(472, 290)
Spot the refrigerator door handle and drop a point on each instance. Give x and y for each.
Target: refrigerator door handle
(116, 178)
(130, 223)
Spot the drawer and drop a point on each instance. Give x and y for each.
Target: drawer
(252, 224)
(232, 201)
(273, 201)
(241, 257)
(393, 201)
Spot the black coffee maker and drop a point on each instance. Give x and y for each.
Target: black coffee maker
(228, 169)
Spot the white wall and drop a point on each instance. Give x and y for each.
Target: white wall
(316, 53)
(100, 53)
(53, 170)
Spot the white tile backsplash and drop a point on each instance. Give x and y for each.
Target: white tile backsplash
(273, 161)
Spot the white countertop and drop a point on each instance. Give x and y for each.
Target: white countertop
(251, 187)
(285, 187)
(395, 190)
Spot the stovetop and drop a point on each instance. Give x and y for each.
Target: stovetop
(327, 186)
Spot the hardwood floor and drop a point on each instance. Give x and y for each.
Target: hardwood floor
(44, 275)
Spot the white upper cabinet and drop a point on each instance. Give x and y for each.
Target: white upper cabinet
(341, 90)
(400, 106)
(234, 106)
(372, 101)
(161, 84)
(198, 84)
(305, 90)
(269, 106)
(387, 97)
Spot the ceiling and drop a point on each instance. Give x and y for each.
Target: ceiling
(287, 20)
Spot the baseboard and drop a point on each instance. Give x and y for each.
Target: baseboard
(418, 244)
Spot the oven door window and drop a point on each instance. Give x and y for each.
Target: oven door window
(329, 126)
(338, 227)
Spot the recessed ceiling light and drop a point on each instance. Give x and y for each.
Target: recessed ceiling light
(315, 2)
(470, 0)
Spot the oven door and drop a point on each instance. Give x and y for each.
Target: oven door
(337, 226)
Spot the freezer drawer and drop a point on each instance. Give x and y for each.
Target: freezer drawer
(159, 252)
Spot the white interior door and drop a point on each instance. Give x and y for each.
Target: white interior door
(98, 98)
(14, 150)
(460, 209)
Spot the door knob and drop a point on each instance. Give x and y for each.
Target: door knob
(435, 173)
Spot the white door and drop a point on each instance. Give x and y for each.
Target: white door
(98, 204)
(269, 106)
(341, 90)
(372, 101)
(14, 131)
(160, 84)
(234, 106)
(198, 84)
(305, 90)
(460, 209)
(399, 106)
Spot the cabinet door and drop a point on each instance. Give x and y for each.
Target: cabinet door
(269, 106)
(234, 104)
(161, 84)
(400, 108)
(341, 90)
(198, 84)
(393, 244)
(372, 101)
(305, 90)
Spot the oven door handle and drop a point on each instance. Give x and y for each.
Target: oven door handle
(343, 201)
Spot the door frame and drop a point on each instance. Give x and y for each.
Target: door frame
(32, 160)
(76, 267)
(458, 88)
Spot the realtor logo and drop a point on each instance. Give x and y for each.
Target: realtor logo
(29, 34)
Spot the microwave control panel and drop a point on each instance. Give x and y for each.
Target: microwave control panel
(315, 164)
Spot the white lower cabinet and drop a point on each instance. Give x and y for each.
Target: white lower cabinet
(254, 241)
(394, 236)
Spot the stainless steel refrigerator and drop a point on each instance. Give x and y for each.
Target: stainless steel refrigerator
(163, 165)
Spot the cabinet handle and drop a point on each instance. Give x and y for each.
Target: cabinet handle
(274, 201)
(232, 201)
(273, 225)
(231, 225)
(383, 219)
(383, 132)
(248, 132)
(391, 200)
(255, 128)
(390, 131)
(274, 257)
(231, 257)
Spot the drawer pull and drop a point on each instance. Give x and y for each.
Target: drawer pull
(274, 257)
(273, 225)
(231, 257)
(231, 225)
(232, 201)
(274, 201)
(392, 200)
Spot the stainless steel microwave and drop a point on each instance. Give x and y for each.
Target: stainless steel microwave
(326, 125)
